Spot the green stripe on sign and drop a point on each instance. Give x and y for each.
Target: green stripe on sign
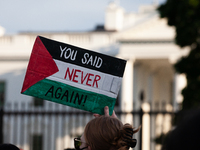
(68, 95)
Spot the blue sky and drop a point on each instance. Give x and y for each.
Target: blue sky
(58, 15)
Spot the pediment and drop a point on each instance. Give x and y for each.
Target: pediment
(149, 28)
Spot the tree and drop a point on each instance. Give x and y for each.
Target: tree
(184, 15)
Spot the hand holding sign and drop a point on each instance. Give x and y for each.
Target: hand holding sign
(106, 113)
(73, 76)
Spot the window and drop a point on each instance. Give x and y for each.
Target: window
(2, 93)
(37, 142)
(38, 102)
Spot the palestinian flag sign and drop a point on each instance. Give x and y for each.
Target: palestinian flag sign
(73, 76)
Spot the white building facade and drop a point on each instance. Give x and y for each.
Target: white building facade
(149, 82)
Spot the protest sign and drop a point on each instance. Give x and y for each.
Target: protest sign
(73, 76)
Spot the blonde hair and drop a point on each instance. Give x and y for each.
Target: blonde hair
(109, 133)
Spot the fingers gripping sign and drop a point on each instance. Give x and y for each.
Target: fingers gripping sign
(106, 113)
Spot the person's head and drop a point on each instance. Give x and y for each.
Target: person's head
(8, 147)
(186, 135)
(107, 133)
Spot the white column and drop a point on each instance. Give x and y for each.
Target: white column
(146, 127)
(127, 91)
(179, 83)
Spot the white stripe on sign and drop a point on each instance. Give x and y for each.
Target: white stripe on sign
(86, 78)
(83, 87)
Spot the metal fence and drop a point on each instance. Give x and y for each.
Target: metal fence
(53, 126)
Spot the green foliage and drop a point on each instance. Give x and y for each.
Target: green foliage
(184, 15)
(190, 64)
(191, 95)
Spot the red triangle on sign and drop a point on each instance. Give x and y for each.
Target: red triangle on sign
(41, 65)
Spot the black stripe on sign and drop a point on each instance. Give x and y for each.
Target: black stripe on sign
(85, 58)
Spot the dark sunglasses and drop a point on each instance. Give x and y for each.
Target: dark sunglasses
(77, 144)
